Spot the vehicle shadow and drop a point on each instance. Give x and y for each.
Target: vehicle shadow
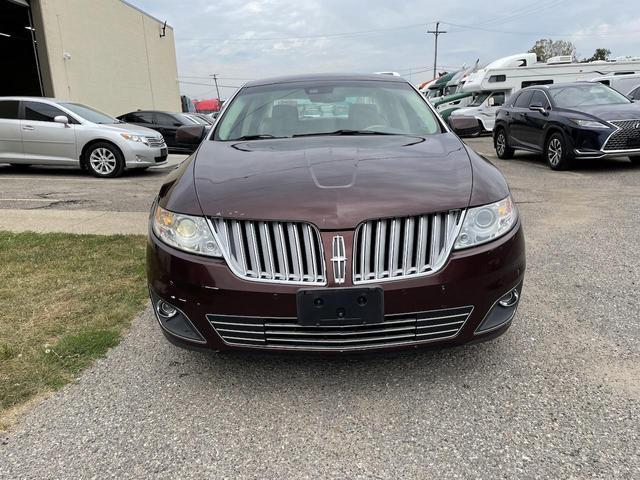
(350, 372)
(591, 165)
(74, 172)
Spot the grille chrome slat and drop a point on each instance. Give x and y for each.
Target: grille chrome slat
(399, 251)
(286, 333)
(285, 252)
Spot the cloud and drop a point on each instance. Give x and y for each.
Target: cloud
(220, 37)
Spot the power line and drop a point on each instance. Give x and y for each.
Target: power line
(208, 84)
(306, 37)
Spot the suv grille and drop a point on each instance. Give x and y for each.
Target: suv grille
(285, 333)
(404, 247)
(288, 252)
(627, 136)
(155, 141)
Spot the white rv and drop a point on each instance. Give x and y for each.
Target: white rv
(496, 82)
(628, 85)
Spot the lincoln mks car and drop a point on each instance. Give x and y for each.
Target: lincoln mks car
(367, 226)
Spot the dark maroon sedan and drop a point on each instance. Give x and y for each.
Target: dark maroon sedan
(333, 213)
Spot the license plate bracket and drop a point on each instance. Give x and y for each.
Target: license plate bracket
(340, 306)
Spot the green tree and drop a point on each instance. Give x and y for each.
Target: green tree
(599, 54)
(545, 48)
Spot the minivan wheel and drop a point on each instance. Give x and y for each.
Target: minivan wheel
(104, 160)
(556, 153)
(635, 159)
(503, 150)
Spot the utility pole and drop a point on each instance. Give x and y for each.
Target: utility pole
(436, 32)
(215, 79)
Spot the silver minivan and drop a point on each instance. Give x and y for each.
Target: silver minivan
(45, 131)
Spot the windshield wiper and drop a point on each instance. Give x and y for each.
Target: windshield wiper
(345, 131)
(255, 137)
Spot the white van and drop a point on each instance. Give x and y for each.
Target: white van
(483, 108)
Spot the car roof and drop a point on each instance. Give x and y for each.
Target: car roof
(325, 77)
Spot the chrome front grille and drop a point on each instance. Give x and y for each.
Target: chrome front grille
(289, 252)
(396, 248)
(286, 333)
(627, 137)
(155, 141)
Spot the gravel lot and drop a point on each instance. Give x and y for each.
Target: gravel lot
(558, 396)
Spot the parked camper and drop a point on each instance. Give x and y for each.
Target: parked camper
(626, 84)
(505, 76)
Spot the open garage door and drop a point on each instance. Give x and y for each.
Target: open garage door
(18, 56)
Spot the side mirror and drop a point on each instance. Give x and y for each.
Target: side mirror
(191, 135)
(538, 108)
(465, 126)
(61, 119)
(491, 102)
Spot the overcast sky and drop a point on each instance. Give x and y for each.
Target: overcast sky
(241, 40)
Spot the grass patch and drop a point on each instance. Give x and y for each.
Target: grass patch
(66, 299)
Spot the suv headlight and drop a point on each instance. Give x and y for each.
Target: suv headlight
(134, 138)
(185, 232)
(590, 123)
(486, 223)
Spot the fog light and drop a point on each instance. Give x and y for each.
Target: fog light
(510, 299)
(502, 311)
(166, 310)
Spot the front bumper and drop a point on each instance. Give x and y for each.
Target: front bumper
(463, 294)
(139, 155)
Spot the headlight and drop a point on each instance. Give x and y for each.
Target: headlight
(134, 138)
(590, 123)
(185, 232)
(486, 223)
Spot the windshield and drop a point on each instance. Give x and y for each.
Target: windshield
(90, 114)
(325, 108)
(481, 97)
(578, 95)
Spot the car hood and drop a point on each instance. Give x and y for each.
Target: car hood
(623, 111)
(129, 128)
(333, 182)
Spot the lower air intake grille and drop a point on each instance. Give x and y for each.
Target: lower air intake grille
(394, 248)
(626, 138)
(285, 333)
(288, 252)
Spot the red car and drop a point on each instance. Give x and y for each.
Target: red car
(369, 231)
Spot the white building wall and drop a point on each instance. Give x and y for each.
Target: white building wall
(107, 54)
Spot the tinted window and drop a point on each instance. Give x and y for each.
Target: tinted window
(164, 119)
(523, 100)
(539, 98)
(9, 109)
(579, 95)
(89, 113)
(636, 94)
(139, 117)
(497, 78)
(288, 109)
(41, 112)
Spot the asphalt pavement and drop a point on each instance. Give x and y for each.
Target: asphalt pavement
(558, 396)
